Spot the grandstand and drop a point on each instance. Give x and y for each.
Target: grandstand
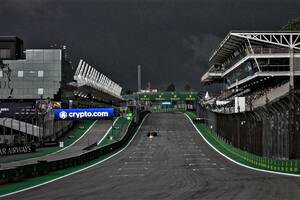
(255, 65)
(91, 83)
(258, 109)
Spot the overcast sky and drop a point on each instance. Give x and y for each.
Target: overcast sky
(171, 39)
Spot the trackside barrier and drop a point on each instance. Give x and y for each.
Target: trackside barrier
(167, 110)
(44, 167)
(244, 157)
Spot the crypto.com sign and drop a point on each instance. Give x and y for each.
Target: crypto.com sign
(84, 114)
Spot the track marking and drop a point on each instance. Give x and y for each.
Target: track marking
(107, 132)
(186, 143)
(148, 145)
(197, 159)
(143, 149)
(126, 175)
(137, 157)
(194, 154)
(136, 162)
(143, 152)
(240, 164)
(208, 168)
(192, 146)
(24, 161)
(87, 130)
(80, 170)
(201, 164)
(133, 168)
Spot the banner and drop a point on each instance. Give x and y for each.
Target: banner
(84, 114)
(13, 109)
(4, 151)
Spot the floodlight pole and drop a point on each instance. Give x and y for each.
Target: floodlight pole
(293, 150)
(139, 78)
(291, 68)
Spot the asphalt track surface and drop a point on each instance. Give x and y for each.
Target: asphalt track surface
(177, 164)
(97, 131)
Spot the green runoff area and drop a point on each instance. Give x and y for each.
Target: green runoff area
(116, 131)
(244, 157)
(163, 96)
(13, 187)
(120, 123)
(48, 150)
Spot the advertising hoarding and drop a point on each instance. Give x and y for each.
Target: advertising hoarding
(84, 114)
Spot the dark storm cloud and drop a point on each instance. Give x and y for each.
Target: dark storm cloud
(172, 40)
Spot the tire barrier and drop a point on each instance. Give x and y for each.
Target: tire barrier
(44, 167)
(244, 157)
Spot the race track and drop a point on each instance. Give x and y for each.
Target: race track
(96, 133)
(177, 164)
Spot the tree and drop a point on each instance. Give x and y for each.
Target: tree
(129, 91)
(171, 88)
(187, 88)
(293, 25)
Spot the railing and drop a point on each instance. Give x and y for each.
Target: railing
(235, 60)
(272, 95)
(260, 50)
(246, 158)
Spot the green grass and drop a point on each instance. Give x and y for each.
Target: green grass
(191, 115)
(5, 189)
(244, 157)
(116, 133)
(49, 150)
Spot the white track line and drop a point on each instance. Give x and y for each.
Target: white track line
(197, 159)
(140, 157)
(68, 145)
(256, 169)
(208, 168)
(58, 150)
(75, 140)
(132, 168)
(126, 175)
(107, 132)
(80, 170)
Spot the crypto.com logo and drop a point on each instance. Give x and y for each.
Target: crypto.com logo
(63, 115)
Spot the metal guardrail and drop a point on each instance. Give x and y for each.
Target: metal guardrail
(270, 131)
(249, 159)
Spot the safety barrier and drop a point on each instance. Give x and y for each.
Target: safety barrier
(244, 157)
(167, 110)
(44, 167)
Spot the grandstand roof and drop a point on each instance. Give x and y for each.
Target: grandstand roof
(271, 38)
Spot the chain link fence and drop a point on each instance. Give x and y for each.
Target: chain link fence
(271, 130)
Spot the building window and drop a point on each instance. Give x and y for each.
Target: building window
(4, 53)
(20, 73)
(40, 73)
(40, 91)
(1, 74)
